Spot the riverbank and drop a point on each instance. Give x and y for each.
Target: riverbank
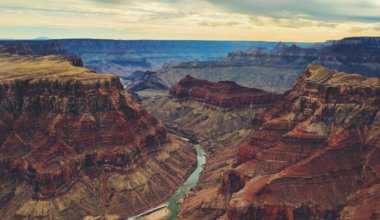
(170, 208)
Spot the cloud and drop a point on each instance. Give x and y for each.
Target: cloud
(289, 23)
(217, 24)
(322, 10)
(291, 20)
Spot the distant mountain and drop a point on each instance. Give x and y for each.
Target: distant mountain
(123, 57)
(276, 69)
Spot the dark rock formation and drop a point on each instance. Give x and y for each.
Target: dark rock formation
(222, 94)
(74, 143)
(139, 81)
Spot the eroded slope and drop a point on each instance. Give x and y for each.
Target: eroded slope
(75, 144)
(315, 154)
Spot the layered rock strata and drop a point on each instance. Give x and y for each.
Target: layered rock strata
(276, 69)
(223, 94)
(75, 144)
(313, 157)
(215, 114)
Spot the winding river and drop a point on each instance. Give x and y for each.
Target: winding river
(191, 182)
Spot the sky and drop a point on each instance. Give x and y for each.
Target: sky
(268, 20)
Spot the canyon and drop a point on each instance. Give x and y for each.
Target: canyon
(312, 155)
(276, 69)
(217, 116)
(210, 113)
(124, 57)
(288, 131)
(75, 144)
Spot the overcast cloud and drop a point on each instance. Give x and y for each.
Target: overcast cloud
(190, 19)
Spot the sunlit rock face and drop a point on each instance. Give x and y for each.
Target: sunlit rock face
(314, 155)
(74, 143)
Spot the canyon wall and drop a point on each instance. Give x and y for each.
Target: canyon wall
(276, 69)
(216, 115)
(213, 113)
(74, 143)
(314, 156)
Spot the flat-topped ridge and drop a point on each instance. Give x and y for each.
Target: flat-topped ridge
(223, 94)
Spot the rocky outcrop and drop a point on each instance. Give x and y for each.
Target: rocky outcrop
(223, 94)
(353, 55)
(215, 114)
(314, 155)
(75, 144)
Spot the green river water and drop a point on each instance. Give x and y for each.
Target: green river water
(191, 182)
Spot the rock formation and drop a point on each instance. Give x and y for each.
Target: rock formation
(276, 70)
(216, 115)
(75, 144)
(124, 57)
(213, 113)
(314, 156)
(223, 94)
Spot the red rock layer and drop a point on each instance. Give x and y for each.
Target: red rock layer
(52, 127)
(222, 94)
(315, 153)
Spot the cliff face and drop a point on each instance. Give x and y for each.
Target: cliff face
(74, 143)
(213, 113)
(282, 55)
(352, 55)
(217, 115)
(314, 155)
(223, 94)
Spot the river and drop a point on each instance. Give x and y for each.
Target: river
(191, 182)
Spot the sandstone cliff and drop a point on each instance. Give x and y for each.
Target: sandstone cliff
(313, 157)
(75, 144)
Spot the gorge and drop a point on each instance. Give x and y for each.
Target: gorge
(76, 144)
(288, 132)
